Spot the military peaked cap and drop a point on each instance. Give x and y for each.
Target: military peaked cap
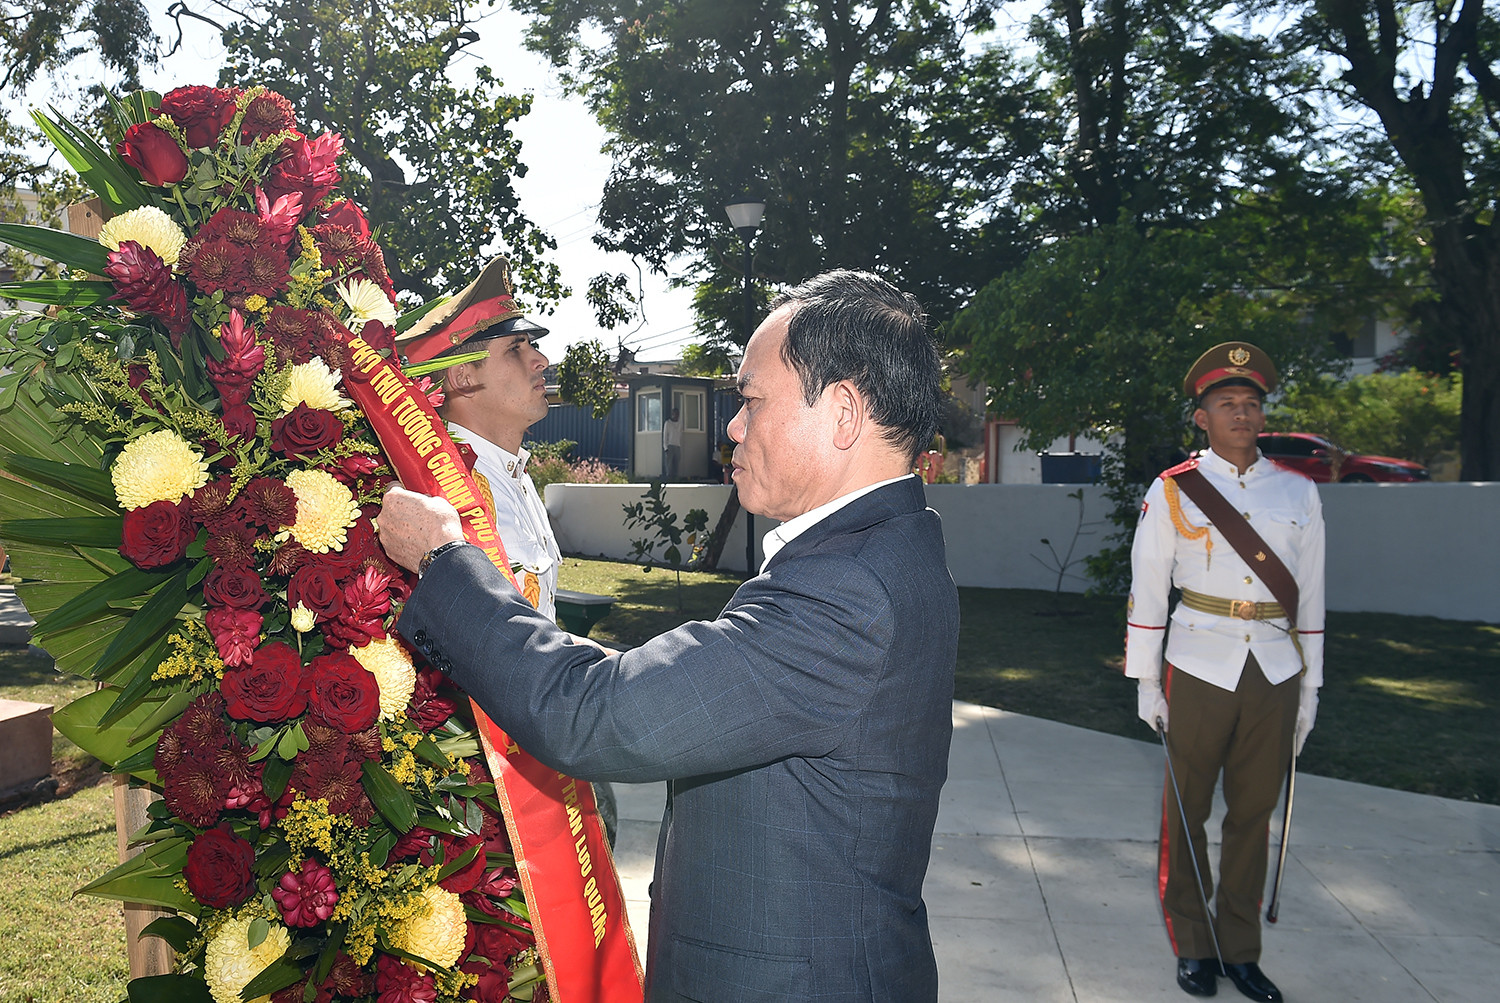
(484, 309)
(1233, 360)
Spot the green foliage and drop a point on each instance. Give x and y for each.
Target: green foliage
(1410, 415)
(558, 470)
(585, 378)
(613, 301)
(711, 359)
(855, 121)
(432, 162)
(653, 515)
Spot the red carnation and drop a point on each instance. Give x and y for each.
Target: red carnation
(269, 689)
(156, 535)
(146, 285)
(218, 869)
(429, 708)
(152, 151)
(266, 114)
(305, 430)
(236, 632)
(398, 982)
(201, 112)
(316, 587)
(307, 895)
(343, 694)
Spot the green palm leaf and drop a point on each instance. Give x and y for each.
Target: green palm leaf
(69, 248)
(95, 166)
(63, 292)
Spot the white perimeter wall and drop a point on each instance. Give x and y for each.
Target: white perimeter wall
(1422, 549)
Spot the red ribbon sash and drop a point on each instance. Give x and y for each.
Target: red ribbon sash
(577, 910)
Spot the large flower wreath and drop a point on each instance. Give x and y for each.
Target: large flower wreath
(328, 828)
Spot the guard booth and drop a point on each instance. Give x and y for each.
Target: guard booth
(652, 398)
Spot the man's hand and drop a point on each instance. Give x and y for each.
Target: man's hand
(1307, 713)
(1151, 703)
(409, 525)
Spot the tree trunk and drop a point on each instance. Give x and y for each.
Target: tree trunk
(721, 531)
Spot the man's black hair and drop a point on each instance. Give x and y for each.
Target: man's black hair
(855, 326)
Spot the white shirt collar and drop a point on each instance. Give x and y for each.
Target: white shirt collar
(795, 527)
(1220, 465)
(500, 459)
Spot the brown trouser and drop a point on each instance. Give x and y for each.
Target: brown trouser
(1247, 735)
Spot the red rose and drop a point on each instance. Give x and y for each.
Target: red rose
(305, 430)
(201, 112)
(269, 689)
(346, 213)
(316, 587)
(468, 876)
(343, 694)
(239, 422)
(155, 535)
(150, 150)
(236, 632)
(237, 588)
(218, 869)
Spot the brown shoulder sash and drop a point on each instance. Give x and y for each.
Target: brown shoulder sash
(1241, 536)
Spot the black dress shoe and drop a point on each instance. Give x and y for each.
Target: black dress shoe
(1251, 981)
(1196, 975)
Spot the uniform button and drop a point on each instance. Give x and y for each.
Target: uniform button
(1247, 515)
(1242, 485)
(1247, 638)
(420, 637)
(1247, 580)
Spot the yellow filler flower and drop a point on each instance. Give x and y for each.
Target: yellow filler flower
(159, 466)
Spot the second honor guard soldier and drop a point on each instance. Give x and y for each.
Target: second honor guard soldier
(1244, 660)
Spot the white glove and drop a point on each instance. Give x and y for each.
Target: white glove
(1151, 703)
(1307, 712)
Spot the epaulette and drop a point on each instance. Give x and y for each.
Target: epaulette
(1182, 467)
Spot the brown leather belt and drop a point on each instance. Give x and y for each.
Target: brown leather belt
(1241, 609)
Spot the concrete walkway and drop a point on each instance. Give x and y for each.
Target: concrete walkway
(1042, 885)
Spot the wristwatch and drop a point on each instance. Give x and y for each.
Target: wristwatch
(435, 553)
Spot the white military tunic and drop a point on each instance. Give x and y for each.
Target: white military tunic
(520, 517)
(1284, 508)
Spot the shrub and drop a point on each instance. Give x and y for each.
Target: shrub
(1411, 415)
(556, 470)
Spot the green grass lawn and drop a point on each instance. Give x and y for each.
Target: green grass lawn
(1410, 702)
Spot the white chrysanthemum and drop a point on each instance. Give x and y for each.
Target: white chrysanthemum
(230, 962)
(147, 226)
(317, 386)
(391, 666)
(303, 619)
(366, 301)
(159, 466)
(436, 931)
(325, 511)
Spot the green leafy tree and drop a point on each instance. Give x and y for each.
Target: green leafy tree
(1426, 70)
(586, 378)
(711, 359)
(1411, 415)
(431, 161)
(654, 516)
(834, 111)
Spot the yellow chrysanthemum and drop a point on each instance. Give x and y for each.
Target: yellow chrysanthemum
(302, 619)
(230, 962)
(147, 226)
(314, 384)
(366, 301)
(159, 466)
(391, 666)
(435, 931)
(325, 511)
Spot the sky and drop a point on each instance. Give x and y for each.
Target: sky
(560, 145)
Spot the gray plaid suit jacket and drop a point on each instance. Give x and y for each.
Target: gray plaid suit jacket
(804, 733)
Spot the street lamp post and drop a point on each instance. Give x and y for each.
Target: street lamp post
(745, 214)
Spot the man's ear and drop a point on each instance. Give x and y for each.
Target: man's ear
(1200, 418)
(458, 379)
(849, 414)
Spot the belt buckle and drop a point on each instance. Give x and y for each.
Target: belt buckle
(1242, 608)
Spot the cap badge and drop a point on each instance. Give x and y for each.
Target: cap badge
(1238, 356)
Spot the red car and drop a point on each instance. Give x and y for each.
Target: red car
(1322, 460)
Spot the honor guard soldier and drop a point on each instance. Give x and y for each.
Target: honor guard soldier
(1242, 538)
(489, 406)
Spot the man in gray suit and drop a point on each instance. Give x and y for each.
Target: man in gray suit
(805, 731)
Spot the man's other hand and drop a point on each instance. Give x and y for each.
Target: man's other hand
(411, 524)
(1151, 703)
